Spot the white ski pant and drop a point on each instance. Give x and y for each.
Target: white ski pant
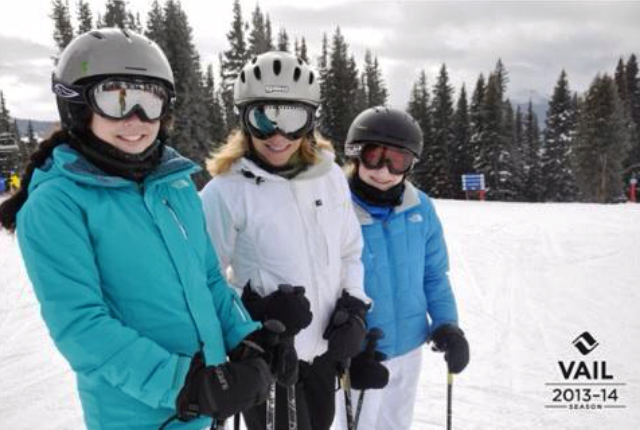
(390, 407)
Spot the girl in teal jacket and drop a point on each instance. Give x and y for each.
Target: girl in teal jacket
(113, 237)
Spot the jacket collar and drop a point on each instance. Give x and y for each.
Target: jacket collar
(410, 199)
(251, 170)
(68, 162)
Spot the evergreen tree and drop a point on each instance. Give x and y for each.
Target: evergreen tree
(116, 15)
(340, 89)
(214, 109)
(63, 30)
(258, 42)
(602, 143)
(5, 116)
(32, 141)
(231, 63)
(373, 84)
(519, 157)
(494, 157)
(283, 41)
(461, 154)
(632, 163)
(304, 56)
(531, 145)
(268, 33)
(192, 123)
(420, 108)
(442, 143)
(156, 25)
(476, 119)
(557, 173)
(85, 17)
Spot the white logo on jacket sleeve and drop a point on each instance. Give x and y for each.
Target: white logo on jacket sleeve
(415, 218)
(180, 183)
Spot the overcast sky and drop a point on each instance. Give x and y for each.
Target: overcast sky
(535, 40)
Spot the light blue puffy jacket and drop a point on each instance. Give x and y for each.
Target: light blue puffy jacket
(128, 283)
(405, 264)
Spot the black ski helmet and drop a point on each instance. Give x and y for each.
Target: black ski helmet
(385, 125)
(99, 54)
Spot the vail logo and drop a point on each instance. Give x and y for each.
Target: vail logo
(415, 218)
(276, 89)
(585, 343)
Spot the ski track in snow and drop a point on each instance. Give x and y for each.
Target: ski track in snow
(529, 278)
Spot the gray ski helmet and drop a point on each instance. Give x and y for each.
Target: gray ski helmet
(388, 126)
(277, 75)
(102, 53)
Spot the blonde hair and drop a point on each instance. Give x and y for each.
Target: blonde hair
(237, 146)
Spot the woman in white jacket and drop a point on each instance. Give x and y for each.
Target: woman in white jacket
(279, 213)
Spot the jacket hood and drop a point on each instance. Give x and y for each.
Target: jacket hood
(67, 162)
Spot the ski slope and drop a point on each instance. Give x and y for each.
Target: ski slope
(529, 278)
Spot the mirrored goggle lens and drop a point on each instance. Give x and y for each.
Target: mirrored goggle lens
(398, 161)
(268, 119)
(118, 99)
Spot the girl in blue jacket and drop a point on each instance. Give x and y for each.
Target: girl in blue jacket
(406, 264)
(112, 233)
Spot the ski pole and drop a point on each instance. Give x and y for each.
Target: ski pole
(345, 383)
(292, 407)
(274, 329)
(372, 342)
(449, 391)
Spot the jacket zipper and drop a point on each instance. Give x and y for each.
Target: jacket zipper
(176, 219)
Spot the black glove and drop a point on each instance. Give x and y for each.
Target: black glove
(275, 347)
(224, 390)
(367, 371)
(450, 340)
(347, 328)
(288, 305)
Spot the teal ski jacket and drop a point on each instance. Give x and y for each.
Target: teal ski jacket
(128, 283)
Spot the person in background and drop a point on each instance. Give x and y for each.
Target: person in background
(406, 264)
(14, 182)
(113, 237)
(280, 216)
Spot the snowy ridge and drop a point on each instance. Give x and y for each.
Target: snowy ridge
(529, 278)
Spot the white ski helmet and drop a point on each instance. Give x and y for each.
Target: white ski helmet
(277, 75)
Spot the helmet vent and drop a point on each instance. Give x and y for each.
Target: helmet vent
(277, 66)
(97, 34)
(253, 61)
(126, 34)
(311, 78)
(242, 78)
(257, 72)
(296, 74)
(300, 61)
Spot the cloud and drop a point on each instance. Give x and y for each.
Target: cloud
(25, 74)
(535, 40)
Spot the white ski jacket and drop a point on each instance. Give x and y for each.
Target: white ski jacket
(269, 230)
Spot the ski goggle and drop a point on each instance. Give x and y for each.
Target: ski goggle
(398, 161)
(120, 98)
(292, 120)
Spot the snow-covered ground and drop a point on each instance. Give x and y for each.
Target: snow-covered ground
(529, 279)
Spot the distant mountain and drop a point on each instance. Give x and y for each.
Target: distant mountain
(42, 129)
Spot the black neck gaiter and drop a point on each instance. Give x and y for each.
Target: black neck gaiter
(115, 162)
(374, 196)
